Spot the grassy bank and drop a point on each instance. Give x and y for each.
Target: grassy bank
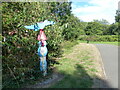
(77, 65)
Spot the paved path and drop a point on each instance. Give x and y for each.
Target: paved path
(109, 54)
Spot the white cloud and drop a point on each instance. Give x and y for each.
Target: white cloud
(99, 9)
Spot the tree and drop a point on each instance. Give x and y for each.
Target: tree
(113, 29)
(61, 10)
(94, 28)
(104, 25)
(103, 21)
(117, 17)
(73, 28)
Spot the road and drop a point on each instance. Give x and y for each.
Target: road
(109, 54)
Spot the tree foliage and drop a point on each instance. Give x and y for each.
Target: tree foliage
(113, 29)
(103, 21)
(94, 28)
(117, 17)
(101, 28)
(73, 28)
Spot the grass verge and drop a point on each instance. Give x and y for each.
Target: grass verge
(77, 65)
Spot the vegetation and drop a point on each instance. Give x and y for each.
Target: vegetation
(97, 42)
(96, 28)
(78, 68)
(73, 28)
(20, 62)
(117, 17)
(103, 38)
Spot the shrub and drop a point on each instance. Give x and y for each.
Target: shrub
(19, 45)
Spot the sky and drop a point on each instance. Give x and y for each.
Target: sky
(88, 10)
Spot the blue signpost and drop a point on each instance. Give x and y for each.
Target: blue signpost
(42, 49)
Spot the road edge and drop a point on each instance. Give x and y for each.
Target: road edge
(101, 61)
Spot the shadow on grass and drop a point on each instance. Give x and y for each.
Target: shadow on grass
(52, 62)
(81, 79)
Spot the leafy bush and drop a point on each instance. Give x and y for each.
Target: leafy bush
(20, 61)
(54, 35)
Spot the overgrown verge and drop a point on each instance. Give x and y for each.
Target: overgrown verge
(79, 65)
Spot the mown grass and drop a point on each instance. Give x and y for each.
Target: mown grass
(78, 69)
(67, 45)
(94, 42)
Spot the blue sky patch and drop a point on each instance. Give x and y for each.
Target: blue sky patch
(88, 10)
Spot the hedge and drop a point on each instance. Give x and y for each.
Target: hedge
(19, 59)
(105, 38)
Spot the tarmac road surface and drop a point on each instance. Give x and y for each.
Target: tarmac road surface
(109, 54)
